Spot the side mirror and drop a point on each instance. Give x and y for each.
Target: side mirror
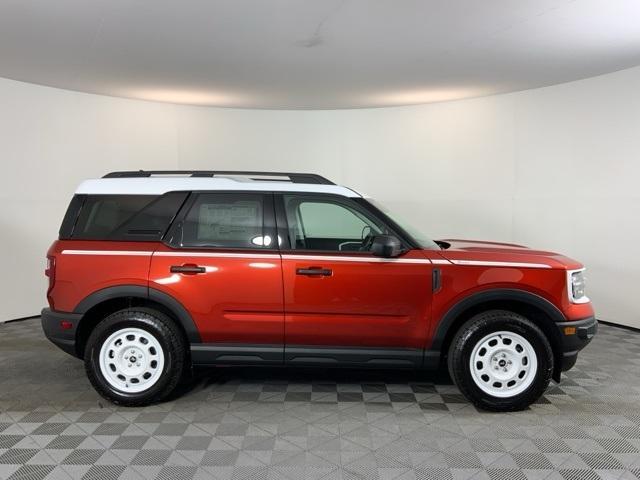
(386, 246)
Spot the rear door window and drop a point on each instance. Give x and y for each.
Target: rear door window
(226, 220)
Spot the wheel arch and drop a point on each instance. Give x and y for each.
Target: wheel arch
(534, 307)
(111, 299)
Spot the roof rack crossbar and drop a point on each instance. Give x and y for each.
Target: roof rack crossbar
(293, 177)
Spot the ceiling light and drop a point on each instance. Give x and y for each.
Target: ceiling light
(186, 97)
(412, 97)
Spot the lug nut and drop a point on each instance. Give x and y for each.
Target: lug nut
(129, 364)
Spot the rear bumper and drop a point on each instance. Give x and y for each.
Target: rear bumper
(575, 335)
(64, 338)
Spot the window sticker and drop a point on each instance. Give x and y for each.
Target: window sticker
(236, 221)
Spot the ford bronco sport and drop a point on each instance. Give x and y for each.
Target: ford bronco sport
(156, 272)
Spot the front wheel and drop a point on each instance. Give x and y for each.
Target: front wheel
(135, 356)
(501, 361)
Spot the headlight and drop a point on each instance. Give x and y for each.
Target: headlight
(576, 286)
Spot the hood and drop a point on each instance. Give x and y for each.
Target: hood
(481, 250)
(457, 244)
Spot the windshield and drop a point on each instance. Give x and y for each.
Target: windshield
(423, 240)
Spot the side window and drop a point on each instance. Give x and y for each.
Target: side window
(152, 221)
(101, 215)
(122, 217)
(226, 220)
(328, 224)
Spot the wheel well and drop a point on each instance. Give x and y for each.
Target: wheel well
(531, 312)
(103, 309)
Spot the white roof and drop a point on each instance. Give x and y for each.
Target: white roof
(164, 184)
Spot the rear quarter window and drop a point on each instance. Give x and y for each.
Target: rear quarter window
(121, 217)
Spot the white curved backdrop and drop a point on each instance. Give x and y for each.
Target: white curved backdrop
(554, 168)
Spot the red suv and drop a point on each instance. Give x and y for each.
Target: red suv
(156, 272)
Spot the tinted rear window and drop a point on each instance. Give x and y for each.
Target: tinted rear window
(122, 217)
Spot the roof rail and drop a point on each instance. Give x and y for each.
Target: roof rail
(292, 177)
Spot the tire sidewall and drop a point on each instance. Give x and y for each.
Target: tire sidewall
(111, 325)
(471, 336)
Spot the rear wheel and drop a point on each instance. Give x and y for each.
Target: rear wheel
(135, 356)
(501, 361)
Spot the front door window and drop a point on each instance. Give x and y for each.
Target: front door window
(326, 224)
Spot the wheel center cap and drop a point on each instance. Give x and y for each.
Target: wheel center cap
(132, 359)
(502, 363)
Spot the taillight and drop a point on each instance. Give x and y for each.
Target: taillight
(50, 272)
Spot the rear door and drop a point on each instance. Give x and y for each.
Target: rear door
(221, 262)
(342, 304)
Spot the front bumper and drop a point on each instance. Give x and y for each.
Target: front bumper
(64, 338)
(574, 336)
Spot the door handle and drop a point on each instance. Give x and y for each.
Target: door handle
(187, 269)
(315, 271)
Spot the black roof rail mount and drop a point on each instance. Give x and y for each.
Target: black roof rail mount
(293, 177)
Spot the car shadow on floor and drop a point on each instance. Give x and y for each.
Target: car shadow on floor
(280, 378)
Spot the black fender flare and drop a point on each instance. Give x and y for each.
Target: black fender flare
(499, 294)
(137, 291)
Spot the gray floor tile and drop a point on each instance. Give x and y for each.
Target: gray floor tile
(242, 423)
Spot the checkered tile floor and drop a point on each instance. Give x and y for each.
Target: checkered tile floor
(296, 424)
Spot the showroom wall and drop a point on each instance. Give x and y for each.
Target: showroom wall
(49, 141)
(553, 168)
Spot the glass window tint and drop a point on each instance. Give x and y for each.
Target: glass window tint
(127, 217)
(101, 215)
(327, 224)
(69, 221)
(153, 220)
(225, 220)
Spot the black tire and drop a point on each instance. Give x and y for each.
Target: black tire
(167, 334)
(476, 329)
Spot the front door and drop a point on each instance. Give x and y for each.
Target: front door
(222, 264)
(342, 304)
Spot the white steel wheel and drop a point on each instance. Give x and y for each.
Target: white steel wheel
(503, 364)
(131, 360)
